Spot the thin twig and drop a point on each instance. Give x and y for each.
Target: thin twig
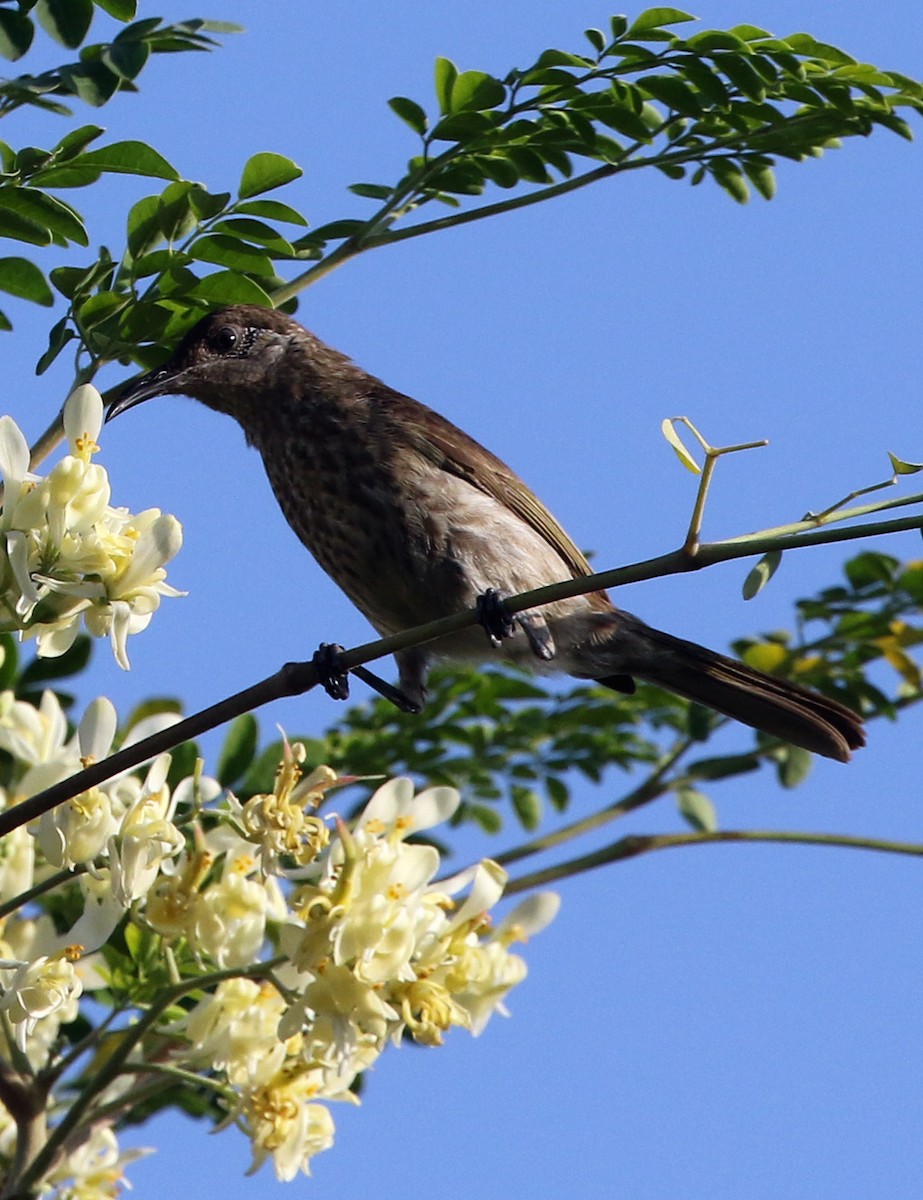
(293, 679)
(635, 844)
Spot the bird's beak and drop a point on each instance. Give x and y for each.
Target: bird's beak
(162, 381)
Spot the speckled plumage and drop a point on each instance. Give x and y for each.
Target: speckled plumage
(414, 520)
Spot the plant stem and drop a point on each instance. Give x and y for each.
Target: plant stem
(636, 844)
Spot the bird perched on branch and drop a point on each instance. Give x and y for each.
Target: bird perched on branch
(416, 521)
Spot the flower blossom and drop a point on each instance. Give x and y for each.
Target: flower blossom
(67, 557)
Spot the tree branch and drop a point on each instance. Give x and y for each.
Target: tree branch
(635, 844)
(294, 679)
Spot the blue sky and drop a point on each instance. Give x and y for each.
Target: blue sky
(712, 1023)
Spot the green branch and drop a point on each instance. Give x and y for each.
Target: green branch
(637, 844)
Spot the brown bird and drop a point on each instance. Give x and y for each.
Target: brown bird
(415, 521)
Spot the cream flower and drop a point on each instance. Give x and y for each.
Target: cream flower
(66, 556)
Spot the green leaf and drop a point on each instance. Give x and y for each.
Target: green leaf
(668, 429)
(68, 21)
(205, 205)
(228, 287)
(750, 33)
(527, 805)
(122, 10)
(9, 660)
(742, 74)
(558, 793)
(730, 177)
(596, 38)
(723, 767)
(272, 210)
(78, 139)
(903, 468)
(499, 169)
(761, 574)
(482, 814)
(716, 39)
(266, 171)
(16, 34)
(92, 81)
(762, 176)
(371, 191)
(673, 93)
(697, 810)
(257, 231)
(794, 766)
(100, 307)
(238, 751)
(144, 228)
(46, 211)
(655, 18)
(23, 229)
(410, 112)
(446, 73)
(61, 333)
(231, 252)
(20, 277)
(67, 176)
(174, 211)
(804, 43)
(474, 91)
(67, 280)
(624, 120)
(127, 58)
(337, 230)
(128, 158)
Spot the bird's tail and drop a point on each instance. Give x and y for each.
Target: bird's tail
(785, 710)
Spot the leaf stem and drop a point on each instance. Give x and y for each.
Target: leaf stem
(637, 844)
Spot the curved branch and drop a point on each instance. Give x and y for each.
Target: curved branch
(293, 679)
(635, 844)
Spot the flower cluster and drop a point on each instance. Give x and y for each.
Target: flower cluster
(309, 942)
(66, 556)
(370, 948)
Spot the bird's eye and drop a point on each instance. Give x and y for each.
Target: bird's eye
(224, 339)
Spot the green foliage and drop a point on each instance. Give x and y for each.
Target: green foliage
(724, 105)
(507, 740)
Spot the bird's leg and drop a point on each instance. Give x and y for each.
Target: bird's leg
(335, 680)
(499, 624)
(332, 676)
(388, 690)
(496, 622)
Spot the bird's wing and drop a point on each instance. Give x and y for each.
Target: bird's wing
(452, 450)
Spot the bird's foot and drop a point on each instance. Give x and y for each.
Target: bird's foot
(499, 624)
(334, 679)
(331, 674)
(496, 622)
(540, 640)
(388, 690)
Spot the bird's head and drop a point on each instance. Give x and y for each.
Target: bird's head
(231, 361)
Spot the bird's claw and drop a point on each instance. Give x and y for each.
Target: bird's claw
(494, 618)
(333, 678)
(388, 690)
(500, 624)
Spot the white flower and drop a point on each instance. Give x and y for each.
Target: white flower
(236, 1030)
(95, 1169)
(283, 1122)
(146, 839)
(66, 556)
(45, 987)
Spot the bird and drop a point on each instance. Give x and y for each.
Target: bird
(415, 520)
